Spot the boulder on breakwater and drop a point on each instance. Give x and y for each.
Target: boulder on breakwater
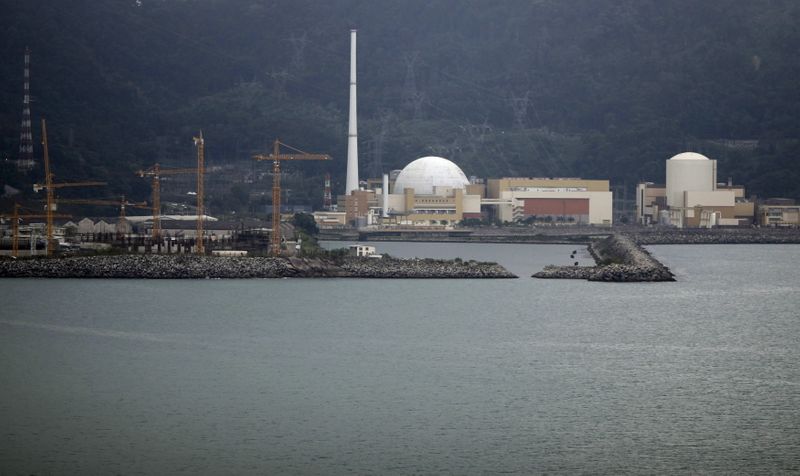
(619, 259)
(199, 267)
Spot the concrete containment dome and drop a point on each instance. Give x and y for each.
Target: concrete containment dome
(428, 172)
(689, 156)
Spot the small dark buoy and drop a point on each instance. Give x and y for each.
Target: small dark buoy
(574, 251)
(576, 263)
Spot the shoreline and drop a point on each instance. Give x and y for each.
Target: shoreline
(578, 235)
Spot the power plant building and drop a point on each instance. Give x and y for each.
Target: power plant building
(573, 200)
(692, 198)
(431, 191)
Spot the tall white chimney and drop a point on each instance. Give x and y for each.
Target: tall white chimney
(352, 133)
(385, 195)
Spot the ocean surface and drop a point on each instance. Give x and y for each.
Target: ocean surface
(341, 376)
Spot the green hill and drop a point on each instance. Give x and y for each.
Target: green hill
(593, 88)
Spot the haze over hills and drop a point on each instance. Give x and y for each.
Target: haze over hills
(599, 89)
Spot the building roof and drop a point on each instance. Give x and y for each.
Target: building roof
(426, 173)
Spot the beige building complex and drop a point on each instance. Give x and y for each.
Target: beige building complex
(692, 198)
(572, 200)
(779, 212)
(430, 191)
(433, 191)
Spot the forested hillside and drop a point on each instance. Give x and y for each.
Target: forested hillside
(592, 88)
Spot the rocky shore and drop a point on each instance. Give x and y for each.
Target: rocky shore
(716, 236)
(619, 259)
(422, 268)
(200, 267)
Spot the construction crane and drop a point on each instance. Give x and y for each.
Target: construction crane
(200, 143)
(122, 203)
(276, 157)
(50, 188)
(156, 172)
(15, 218)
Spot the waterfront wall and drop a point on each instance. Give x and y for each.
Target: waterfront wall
(577, 234)
(199, 267)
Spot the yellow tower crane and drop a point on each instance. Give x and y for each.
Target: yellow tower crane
(50, 187)
(156, 172)
(200, 143)
(15, 219)
(276, 157)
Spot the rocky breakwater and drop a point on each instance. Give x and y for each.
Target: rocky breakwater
(200, 267)
(167, 267)
(716, 236)
(422, 268)
(619, 259)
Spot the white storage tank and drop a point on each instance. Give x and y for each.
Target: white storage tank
(691, 172)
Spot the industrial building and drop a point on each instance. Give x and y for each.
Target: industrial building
(571, 200)
(779, 212)
(692, 197)
(434, 192)
(429, 191)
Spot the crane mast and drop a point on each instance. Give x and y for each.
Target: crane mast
(276, 157)
(156, 172)
(50, 187)
(48, 180)
(201, 170)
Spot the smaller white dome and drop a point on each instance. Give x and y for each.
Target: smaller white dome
(428, 172)
(689, 156)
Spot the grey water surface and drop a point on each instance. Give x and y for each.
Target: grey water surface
(337, 376)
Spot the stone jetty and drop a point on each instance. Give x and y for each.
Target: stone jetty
(200, 267)
(619, 259)
(715, 236)
(422, 268)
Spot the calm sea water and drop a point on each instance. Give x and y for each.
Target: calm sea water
(335, 376)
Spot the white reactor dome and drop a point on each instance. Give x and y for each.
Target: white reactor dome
(689, 172)
(427, 172)
(689, 156)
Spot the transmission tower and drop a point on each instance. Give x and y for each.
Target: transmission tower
(279, 79)
(412, 98)
(385, 120)
(519, 104)
(298, 62)
(25, 161)
(476, 141)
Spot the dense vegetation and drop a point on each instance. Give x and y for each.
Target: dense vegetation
(592, 88)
